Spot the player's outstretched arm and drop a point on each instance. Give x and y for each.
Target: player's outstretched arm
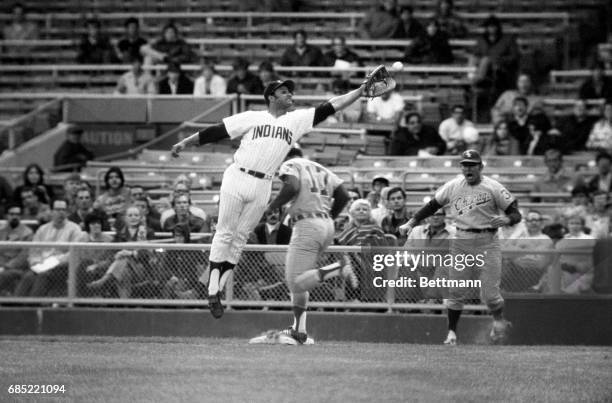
(342, 101)
(209, 135)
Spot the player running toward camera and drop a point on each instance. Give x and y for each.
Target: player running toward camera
(476, 203)
(267, 137)
(310, 188)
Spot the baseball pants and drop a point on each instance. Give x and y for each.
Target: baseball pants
(487, 244)
(242, 202)
(310, 238)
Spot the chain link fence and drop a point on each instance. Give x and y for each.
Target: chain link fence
(165, 273)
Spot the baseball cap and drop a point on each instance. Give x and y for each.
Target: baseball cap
(276, 84)
(470, 157)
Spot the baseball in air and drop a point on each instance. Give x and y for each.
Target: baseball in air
(398, 66)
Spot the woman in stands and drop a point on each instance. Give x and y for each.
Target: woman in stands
(95, 261)
(129, 272)
(601, 134)
(501, 143)
(116, 199)
(34, 177)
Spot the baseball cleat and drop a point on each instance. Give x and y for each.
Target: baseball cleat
(300, 337)
(283, 337)
(349, 273)
(214, 304)
(451, 339)
(499, 330)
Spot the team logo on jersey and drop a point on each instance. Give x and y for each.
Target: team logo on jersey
(463, 204)
(273, 132)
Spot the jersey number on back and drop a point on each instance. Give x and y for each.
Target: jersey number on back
(318, 180)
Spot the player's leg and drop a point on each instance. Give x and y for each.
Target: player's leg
(490, 277)
(257, 196)
(457, 295)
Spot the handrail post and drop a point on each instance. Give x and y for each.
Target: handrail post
(554, 275)
(73, 262)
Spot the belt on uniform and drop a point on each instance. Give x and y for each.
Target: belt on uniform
(302, 216)
(258, 175)
(478, 230)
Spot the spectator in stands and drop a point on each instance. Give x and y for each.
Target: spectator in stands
(575, 128)
(458, 132)
(175, 82)
(33, 207)
(94, 262)
(598, 85)
(243, 81)
(272, 231)
(503, 107)
(137, 192)
(386, 108)
(381, 22)
(360, 229)
(556, 179)
(430, 48)
(408, 26)
(434, 233)
(180, 189)
(521, 272)
(72, 154)
(181, 204)
(577, 270)
(267, 73)
(128, 47)
(72, 184)
(137, 81)
(598, 219)
(301, 53)
(115, 200)
(381, 210)
(6, 194)
(20, 29)
(180, 269)
(34, 177)
(209, 82)
(84, 207)
(129, 267)
(449, 21)
(602, 181)
(374, 196)
(169, 48)
(496, 58)
(600, 137)
(339, 53)
(412, 137)
(579, 206)
(13, 262)
(49, 266)
(501, 143)
(95, 48)
(398, 214)
(150, 217)
(529, 129)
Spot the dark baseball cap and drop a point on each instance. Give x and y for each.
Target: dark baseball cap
(274, 85)
(470, 157)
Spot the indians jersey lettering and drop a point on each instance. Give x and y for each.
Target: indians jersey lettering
(474, 206)
(317, 185)
(266, 139)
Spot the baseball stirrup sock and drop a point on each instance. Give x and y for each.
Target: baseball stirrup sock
(213, 278)
(226, 270)
(329, 271)
(453, 319)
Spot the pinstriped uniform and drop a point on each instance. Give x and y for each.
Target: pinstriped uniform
(266, 140)
(310, 236)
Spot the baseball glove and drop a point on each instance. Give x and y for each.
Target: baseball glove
(378, 82)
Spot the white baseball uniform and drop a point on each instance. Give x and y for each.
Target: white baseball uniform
(266, 140)
(313, 230)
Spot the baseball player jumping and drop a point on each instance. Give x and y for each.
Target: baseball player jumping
(476, 203)
(267, 136)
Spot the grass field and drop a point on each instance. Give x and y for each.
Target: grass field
(105, 369)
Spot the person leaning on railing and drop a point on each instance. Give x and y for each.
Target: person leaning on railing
(13, 262)
(94, 262)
